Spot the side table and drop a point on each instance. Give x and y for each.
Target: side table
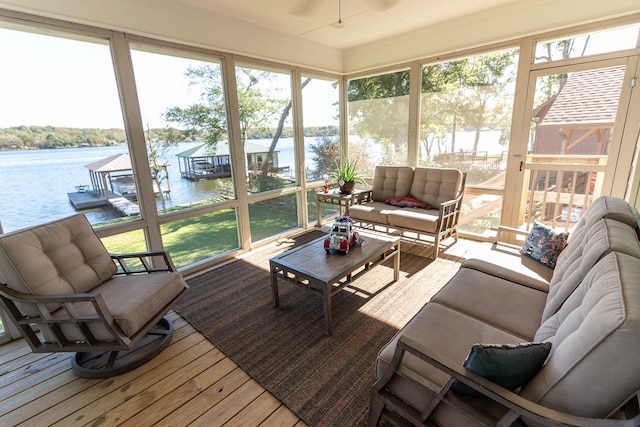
(344, 201)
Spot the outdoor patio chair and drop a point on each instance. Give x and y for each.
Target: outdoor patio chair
(65, 293)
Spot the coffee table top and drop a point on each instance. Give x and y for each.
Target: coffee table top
(311, 259)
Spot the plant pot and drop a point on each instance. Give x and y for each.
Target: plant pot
(348, 187)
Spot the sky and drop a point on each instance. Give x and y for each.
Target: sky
(46, 80)
(50, 81)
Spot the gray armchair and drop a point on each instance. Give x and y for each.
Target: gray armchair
(66, 293)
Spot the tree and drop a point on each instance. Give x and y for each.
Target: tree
(209, 117)
(159, 173)
(485, 78)
(546, 53)
(325, 154)
(274, 141)
(258, 107)
(378, 109)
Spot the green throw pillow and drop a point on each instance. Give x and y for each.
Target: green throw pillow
(508, 365)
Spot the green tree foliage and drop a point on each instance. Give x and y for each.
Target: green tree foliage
(378, 110)
(456, 94)
(258, 109)
(40, 137)
(208, 118)
(467, 93)
(547, 52)
(326, 152)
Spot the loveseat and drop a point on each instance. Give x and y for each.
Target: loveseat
(425, 201)
(510, 341)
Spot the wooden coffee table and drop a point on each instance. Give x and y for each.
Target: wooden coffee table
(310, 266)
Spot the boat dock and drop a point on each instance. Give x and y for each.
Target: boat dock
(92, 199)
(125, 206)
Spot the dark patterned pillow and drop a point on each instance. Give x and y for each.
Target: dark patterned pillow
(508, 365)
(544, 244)
(407, 202)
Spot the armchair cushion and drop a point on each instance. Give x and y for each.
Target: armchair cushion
(131, 300)
(62, 257)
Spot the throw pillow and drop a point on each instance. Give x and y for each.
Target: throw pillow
(544, 244)
(508, 365)
(407, 202)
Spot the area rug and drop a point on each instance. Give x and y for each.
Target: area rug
(325, 380)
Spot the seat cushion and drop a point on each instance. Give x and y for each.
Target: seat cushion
(505, 305)
(372, 212)
(452, 334)
(507, 262)
(131, 300)
(415, 219)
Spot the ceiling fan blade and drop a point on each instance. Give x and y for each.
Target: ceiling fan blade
(305, 7)
(384, 4)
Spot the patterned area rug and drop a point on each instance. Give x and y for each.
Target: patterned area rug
(325, 380)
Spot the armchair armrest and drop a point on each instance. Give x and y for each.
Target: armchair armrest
(145, 262)
(516, 404)
(449, 211)
(65, 313)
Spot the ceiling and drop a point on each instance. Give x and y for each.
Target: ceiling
(376, 33)
(364, 21)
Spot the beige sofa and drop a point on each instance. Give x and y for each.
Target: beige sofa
(440, 188)
(588, 308)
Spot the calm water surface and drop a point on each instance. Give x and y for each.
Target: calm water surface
(34, 183)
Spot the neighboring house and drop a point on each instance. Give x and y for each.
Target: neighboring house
(579, 119)
(203, 162)
(577, 124)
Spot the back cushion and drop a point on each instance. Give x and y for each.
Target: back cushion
(436, 185)
(61, 257)
(603, 207)
(601, 237)
(391, 181)
(593, 365)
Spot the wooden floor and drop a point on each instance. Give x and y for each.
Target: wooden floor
(189, 383)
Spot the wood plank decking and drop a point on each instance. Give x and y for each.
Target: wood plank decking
(190, 383)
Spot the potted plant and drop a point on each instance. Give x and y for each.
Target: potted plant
(347, 175)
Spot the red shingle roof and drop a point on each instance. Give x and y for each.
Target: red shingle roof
(588, 98)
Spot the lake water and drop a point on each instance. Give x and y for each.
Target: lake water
(34, 183)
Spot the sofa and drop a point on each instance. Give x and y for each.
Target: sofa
(425, 201)
(512, 341)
